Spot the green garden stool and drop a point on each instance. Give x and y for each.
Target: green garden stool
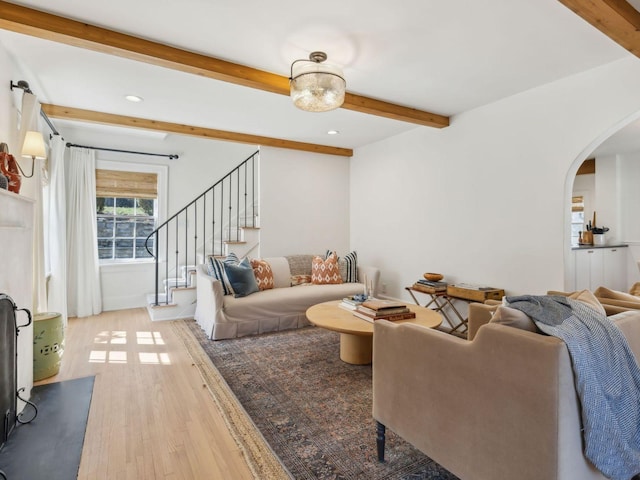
(48, 344)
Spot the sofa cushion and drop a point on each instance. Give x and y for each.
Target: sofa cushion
(300, 264)
(325, 272)
(284, 302)
(351, 261)
(263, 273)
(603, 292)
(297, 280)
(241, 278)
(215, 268)
(512, 317)
(518, 319)
(281, 271)
(589, 298)
(348, 266)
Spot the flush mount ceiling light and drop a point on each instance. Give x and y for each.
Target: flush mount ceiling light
(133, 98)
(316, 86)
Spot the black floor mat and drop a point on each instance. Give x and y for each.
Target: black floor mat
(51, 445)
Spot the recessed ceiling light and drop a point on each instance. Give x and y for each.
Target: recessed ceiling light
(133, 98)
(333, 132)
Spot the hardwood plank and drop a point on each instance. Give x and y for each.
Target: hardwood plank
(79, 34)
(615, 18)
(150, 416)
(70, 113)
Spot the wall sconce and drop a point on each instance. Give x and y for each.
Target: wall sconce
(316, 86)
(33, 147)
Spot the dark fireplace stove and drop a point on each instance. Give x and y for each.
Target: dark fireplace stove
(9, 393)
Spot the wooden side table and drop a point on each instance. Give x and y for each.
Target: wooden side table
(439, 301)
(454, 293)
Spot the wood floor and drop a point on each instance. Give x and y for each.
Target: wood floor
(150, 416)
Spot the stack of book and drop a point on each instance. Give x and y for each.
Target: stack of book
(374, 309)
(351, 303)
(428, 286)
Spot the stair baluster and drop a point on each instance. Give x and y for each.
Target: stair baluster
(186, 223)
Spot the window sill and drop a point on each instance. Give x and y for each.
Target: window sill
(131, 265)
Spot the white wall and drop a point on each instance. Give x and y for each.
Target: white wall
(17, 214)
(629, 206)
(486, 200)
(202, 162)
(585, 185)
(629, 172)
(606, 198)
(304, 203)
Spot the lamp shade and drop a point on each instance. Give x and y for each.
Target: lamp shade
(316, 86)
(34, 145)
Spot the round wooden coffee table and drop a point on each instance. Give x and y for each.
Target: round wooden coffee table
(356, 334)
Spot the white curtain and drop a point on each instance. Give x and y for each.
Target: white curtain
(57, 227)
(30, 115)
(84, 296)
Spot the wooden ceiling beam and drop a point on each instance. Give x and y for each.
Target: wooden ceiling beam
(71, 32)
(77, 114)
(617, 19)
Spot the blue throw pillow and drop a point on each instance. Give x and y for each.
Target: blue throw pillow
(241, 278)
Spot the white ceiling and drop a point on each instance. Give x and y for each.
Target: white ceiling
(446, 57)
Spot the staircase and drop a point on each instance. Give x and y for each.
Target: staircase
(222, 219)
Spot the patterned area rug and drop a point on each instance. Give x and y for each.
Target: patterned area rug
(313, 409)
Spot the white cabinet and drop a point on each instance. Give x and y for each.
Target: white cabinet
(589, 268)
(615, 268)
(596, 267)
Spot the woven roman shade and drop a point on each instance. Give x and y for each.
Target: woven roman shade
(577, 204)
(115, 183)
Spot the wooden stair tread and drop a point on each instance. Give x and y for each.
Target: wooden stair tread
(163, 305)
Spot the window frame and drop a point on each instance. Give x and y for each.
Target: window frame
(161, 201)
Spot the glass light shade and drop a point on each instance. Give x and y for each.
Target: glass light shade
(34, 146)
(317, 87)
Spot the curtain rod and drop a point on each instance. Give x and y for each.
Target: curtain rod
(25, 86)
(169, 156)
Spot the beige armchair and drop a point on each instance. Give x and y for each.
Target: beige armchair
(500, 406)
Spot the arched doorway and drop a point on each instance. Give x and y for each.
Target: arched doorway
(617, 152)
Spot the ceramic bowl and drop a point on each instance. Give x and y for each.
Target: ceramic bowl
(433, 277)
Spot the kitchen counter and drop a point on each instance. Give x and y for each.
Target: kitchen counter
(586, 247)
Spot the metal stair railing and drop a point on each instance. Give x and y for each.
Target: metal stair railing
(227, 206)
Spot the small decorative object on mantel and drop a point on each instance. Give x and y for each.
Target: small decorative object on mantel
(9, 168)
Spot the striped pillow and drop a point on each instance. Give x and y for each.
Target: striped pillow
(348, 266)
(215, 267)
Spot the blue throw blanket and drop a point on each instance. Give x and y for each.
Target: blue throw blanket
(607, 379)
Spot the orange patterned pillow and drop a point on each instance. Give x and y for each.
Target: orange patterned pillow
(264, 274)
(325, 271)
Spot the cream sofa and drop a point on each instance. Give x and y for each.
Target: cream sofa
(283, 307)
(501, 406)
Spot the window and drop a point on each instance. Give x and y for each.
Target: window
(126, 210)
(577, 218)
